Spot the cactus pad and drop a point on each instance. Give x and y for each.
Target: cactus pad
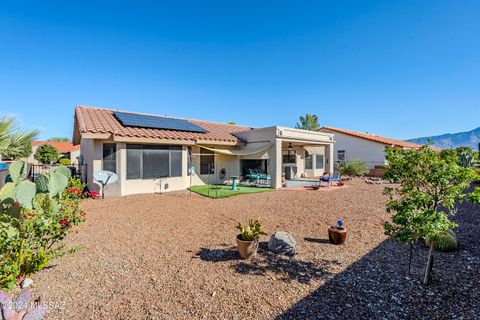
(8, 192)
(26, 190)
(42, 183)
(17, 171)
(57, 183)
(62, 170)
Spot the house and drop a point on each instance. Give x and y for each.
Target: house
(152, 153)
(353, 145)
(65, 148)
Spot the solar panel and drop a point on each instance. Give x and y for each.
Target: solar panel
(156, 122)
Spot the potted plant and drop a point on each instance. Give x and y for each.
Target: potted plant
(247, 240)
(337, 234)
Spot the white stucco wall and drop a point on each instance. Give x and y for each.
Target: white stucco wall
(373, 153)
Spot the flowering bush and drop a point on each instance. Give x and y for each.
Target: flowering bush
(94, 195)
(32, 223)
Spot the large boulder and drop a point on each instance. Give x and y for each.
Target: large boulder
(282, 242)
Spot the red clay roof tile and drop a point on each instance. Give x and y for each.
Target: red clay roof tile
(375, 138)
(61, 146)
(99, 120)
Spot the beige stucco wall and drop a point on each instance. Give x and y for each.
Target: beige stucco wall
(231, 164)
(92, 155)
(373, 153)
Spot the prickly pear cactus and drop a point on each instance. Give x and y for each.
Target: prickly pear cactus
(17, 171)
(8, 312)
(8, 192)
(42, 183)
(26, 191)
(57, 183)
(62, 170)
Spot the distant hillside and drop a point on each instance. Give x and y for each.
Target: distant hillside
(453, 140)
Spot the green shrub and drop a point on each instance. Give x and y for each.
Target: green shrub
(34, 219)
(64, 161)
(354, 168)
(46, 154)
(443, 241)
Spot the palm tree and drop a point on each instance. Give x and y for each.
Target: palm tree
(14, 139)
(308, 122)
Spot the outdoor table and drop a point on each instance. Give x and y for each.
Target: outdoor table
(234, 183)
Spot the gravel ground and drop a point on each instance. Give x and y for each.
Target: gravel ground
(173, 256)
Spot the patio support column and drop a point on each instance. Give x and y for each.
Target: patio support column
(122, 167)
(276, 164)
(331, 162)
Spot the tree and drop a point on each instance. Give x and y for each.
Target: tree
(431, 183)
(308, 122)
(232, 123)
(46, 154)
(59, 139)
(14, 141)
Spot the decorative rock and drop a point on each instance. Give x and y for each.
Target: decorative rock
(282, 242)
(27, 282)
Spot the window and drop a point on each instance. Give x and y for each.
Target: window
(110, 157)
(207, 161)
(319, 161)
(341, 155)
(289, 158)
(308, 161)
(151, 161)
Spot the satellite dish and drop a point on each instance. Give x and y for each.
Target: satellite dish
(105, 177)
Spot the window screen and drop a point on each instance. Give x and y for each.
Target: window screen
(152, 162)
(319, 162)
(308, 161)
(207, 161)
(110, 157)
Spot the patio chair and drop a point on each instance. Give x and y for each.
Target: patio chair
(330, 178)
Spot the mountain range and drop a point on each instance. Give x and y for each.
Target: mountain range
(453, 140)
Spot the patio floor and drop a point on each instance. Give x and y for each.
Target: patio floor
(173, 256)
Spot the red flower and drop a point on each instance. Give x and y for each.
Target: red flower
(94, 194)
(64, 222)
(75, 190)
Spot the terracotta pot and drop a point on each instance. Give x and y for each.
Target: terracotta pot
(247, 249)
(336, 235)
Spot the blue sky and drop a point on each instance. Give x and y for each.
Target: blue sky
(396, 68)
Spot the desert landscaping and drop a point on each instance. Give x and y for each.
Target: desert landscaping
(173, 256)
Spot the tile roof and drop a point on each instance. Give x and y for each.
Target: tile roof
(99, 120)
(61, 146)
(374, 138)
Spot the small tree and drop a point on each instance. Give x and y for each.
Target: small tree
(46, 154)
(308, 122)
(430, 184)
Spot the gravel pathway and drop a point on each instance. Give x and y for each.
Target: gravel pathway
(173, 256)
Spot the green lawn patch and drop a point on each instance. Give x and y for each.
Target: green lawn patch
(222, 191)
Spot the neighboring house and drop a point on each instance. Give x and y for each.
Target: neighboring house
(152, 153)
(353, 145)
(66, 149)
